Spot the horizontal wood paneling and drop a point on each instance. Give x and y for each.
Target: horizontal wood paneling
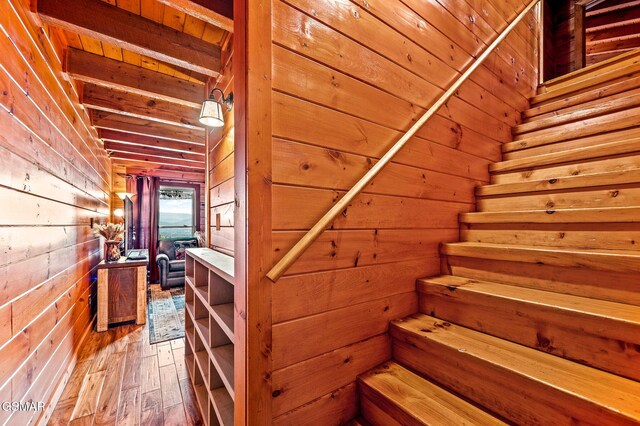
(348, 79)
(56, 177)
(221, 161)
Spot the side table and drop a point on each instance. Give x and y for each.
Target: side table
(122, 292)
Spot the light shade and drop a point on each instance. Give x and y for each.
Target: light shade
(118, 213)
(123, 195)
(211, 114)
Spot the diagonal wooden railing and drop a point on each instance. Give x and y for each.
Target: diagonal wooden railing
(296, 251)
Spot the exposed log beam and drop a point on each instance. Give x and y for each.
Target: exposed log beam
(108, 120)
(101, 21)
(134, 105)
(102, 71)
(216, 12)
(147, 159)
(133, 168)
(156, 152)
(149, 141)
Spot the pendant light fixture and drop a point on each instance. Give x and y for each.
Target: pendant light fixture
(212, 114)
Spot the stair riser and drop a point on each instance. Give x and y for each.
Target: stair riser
(381, 412)
(585, 73)
(504, 220)
(564, 333)
(618, 85)
(617, 164)
(611, 93)
(517, 398)
(587, 83)
(619, 103)
(611, 179)
(591, 141)
(569, 199)
(608, 236)
(612, 286)
(595, 126)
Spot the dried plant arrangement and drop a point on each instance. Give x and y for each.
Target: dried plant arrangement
(110, 231)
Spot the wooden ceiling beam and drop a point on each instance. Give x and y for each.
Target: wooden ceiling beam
(149, 141)
(135, 105)
(107, 23)
(155, 152)
(95, 69)
(218, 13)
(112, 121)
(133, 168)
(147, 159)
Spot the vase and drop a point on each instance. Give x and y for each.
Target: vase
(111, 251)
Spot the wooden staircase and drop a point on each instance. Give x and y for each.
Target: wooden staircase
(536, 318)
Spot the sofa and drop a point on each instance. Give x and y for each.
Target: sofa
(170, 260)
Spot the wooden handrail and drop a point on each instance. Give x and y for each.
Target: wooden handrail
(296, 251)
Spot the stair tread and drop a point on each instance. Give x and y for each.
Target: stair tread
(589, 79)
(587, 70)
(610, 214)
(619, 312)
(605, 260)
(595, 108)
(604, 389)
(616, 87)
(623, 146)
(621, 177)
(587, 127)
(633, 253)
(422, 400)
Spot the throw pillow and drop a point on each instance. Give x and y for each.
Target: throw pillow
(181, 247)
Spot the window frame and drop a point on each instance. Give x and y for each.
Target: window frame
(196, 205)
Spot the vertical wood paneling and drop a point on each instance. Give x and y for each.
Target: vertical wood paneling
(54, 178)
(348, 79)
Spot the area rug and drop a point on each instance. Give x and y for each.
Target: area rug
(165, 313)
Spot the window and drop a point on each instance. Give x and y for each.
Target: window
(176, 212)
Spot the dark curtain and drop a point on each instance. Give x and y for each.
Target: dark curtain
(145, 217)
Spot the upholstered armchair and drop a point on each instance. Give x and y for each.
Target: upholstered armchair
(170, 261)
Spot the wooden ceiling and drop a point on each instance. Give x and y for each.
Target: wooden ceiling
(140, 67)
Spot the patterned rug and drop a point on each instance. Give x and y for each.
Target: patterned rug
(165, 313)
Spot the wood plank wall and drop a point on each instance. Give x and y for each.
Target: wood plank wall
(560, 38)
(347, 79)
(220, 166)
(611, 29)
(54, 178)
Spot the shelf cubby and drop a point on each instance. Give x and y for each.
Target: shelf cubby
(209, 330)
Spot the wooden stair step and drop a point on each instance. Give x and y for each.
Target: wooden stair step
(614, 215)
(412, 400)
(586, 72)
(592, 109)
(603, 260)
(580, 142)
(619, 147)
(592, 78)
(594, 332)
(551, 108)
(610, 179)
(590, 166)
(524, 385)
(588, 127)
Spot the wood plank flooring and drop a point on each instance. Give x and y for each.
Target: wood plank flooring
(121, 379)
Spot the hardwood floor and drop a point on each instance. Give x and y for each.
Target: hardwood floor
(122, 379)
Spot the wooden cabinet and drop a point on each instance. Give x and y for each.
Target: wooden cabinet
(122, 292)
(209, 334)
